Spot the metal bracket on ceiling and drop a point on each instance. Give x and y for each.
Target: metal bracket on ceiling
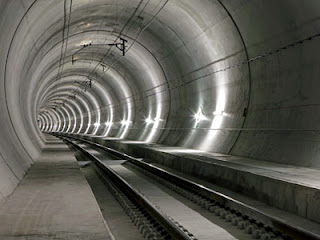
(83, 83)
(103, 66)
(121, 46)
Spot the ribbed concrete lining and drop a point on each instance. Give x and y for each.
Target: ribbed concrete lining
(191, 58)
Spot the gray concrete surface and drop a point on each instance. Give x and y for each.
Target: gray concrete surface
(191, 219)
(194, 218)
(237, 77)
(287, 187)
(118, 221)
(290, 218)
(54, 201)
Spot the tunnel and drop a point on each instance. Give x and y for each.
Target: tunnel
(220, 90)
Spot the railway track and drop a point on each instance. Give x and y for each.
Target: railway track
(154, 223)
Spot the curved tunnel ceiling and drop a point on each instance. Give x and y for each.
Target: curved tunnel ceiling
(235, 77)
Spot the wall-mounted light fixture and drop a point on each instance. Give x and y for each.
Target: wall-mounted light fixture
(121, 46)
(125, 122)
(149, 120)
(108, 124)
(199, 116)
(218, 113)
(157, 119)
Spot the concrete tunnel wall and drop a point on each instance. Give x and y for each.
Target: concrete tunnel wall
(190, 71)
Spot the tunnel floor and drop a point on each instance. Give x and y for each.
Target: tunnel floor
(62, 198)
(54, 201)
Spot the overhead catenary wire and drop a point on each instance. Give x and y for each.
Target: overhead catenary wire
(64, 45)
(141, 31)
(118, 37)
(138, 19)
(236, 65)
(139, 34)
(63, 40)
(239, 64)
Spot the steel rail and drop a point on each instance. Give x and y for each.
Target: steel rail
(249, 212)
(171, 228)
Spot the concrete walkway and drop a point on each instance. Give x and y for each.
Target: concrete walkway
(54, 201)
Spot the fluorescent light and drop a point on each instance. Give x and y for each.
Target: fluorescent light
(108, 123)
(125, 122)
(157, 119)
(199, 116)
(149, 120)
(217, 113)
(96, 124)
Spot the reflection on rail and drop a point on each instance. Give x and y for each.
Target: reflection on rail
(251, 220)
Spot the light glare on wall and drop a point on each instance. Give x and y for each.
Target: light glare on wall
(199, 116)
(157, 119)
(125, 122)
(149, 120)
(218, 113)
(96, 124)
(108, 123)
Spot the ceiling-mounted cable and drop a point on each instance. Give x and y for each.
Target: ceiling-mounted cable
(63, 40)
(138, 19)
(122, 30)
(120, 33)
(236, 65)
(64, 45)
(133, 42)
